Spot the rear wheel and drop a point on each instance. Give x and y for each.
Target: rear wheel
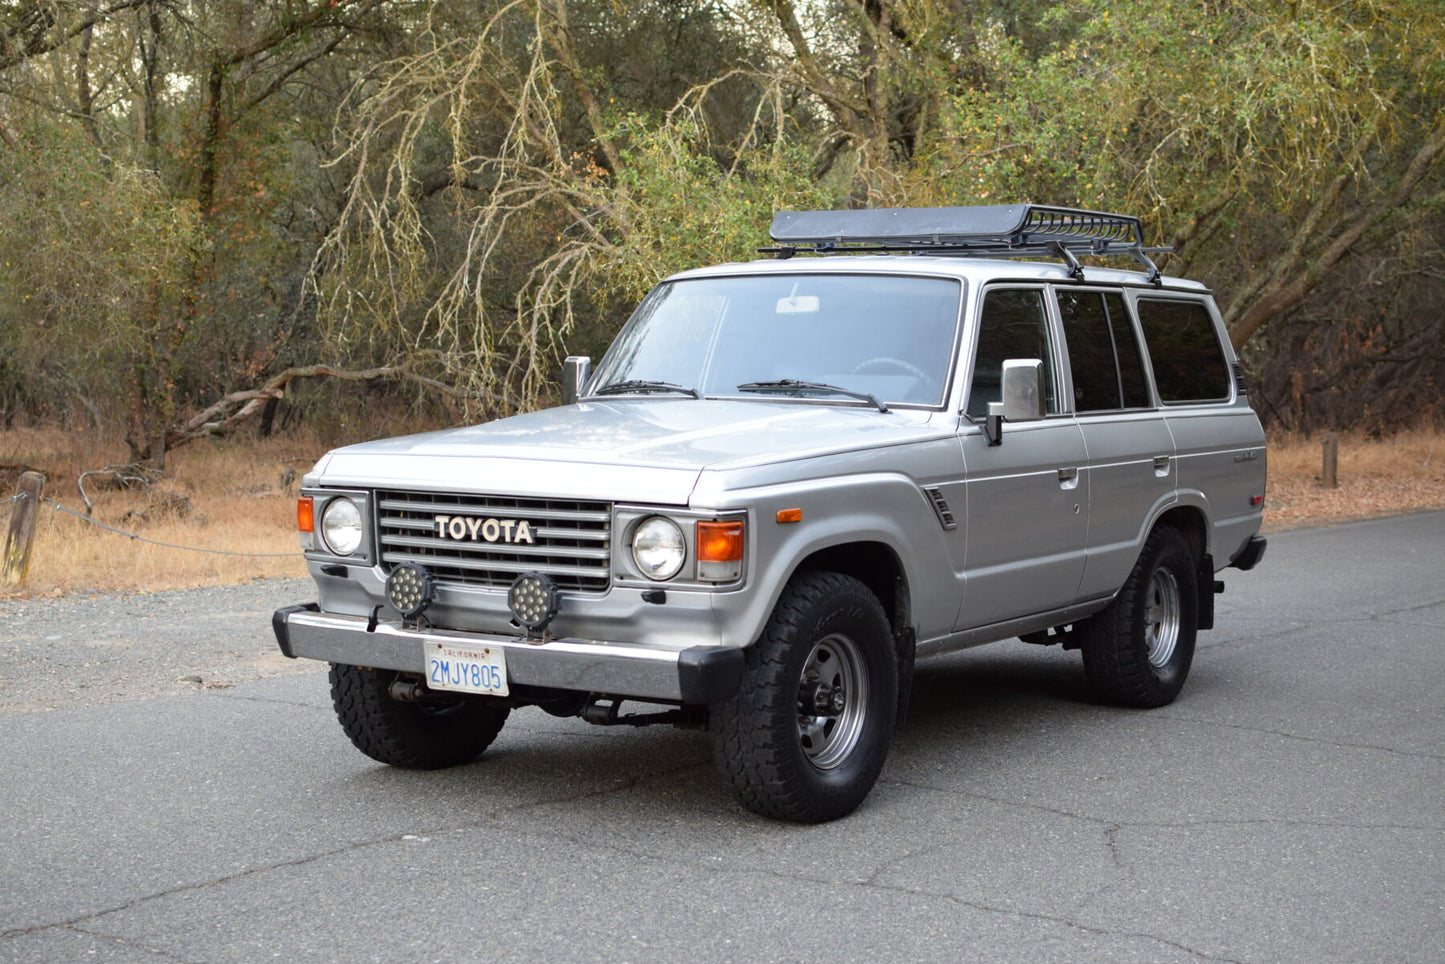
(417, 735)
(1137, 652)
(807, 733)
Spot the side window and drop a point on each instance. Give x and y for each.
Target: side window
(1012, 324)
(1103, 355)
(1126, 347)
(1188, 361)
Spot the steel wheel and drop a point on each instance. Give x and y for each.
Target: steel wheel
(832, 700)
(1161, 617)
(1137, 650)
(805, 735)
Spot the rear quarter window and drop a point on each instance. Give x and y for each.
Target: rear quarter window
(1184, 351)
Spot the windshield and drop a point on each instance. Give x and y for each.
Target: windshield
(885, 336)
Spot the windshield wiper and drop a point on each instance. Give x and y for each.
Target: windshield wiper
(798, 387)
(644, 386)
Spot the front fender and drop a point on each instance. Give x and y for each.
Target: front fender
(885, 508)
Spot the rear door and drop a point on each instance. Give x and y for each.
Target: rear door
(1130, 464)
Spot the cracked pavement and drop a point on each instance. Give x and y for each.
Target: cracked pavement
(1290, 806)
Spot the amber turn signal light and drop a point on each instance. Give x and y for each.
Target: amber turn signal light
(306, 514)
(719, 541)
(720, 551)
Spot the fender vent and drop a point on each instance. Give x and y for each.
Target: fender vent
(940, 507)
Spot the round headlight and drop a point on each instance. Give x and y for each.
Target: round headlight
(658, 548)
(341, 526)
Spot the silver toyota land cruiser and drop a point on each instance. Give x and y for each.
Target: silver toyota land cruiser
(788, 480)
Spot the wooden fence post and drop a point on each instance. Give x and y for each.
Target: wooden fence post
(21, 534)
(1330, 471)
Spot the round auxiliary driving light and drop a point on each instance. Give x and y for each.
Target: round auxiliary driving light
(409, 589)
(533, 601)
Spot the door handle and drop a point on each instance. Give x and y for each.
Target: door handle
(1068, 478)
(1161, 465)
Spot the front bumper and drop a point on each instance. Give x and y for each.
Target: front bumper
(697, 674)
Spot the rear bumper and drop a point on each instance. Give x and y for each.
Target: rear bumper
(698, 674)
(1250, 555)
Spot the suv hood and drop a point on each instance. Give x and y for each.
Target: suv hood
(635, 449)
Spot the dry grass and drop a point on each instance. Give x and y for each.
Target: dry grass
(1376, 477)
(240, 496)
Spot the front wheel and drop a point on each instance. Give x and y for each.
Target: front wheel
(1137, 651)
(416, 735)
(806, 735)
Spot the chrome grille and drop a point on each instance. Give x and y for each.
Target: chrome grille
(570, 541)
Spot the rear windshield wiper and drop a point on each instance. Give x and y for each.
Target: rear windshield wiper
(799, 387)
(644, 386)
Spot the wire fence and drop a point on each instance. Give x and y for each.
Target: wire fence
(156, 542)
(14, 498)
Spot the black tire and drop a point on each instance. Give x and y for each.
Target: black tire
(1137, 651)
(828, 641)
(414, 735)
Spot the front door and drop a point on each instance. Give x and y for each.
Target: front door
(1027, 498)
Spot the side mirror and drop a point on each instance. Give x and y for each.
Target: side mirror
(576, 371)
(1022, 397)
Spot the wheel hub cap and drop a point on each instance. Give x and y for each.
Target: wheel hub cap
(832, 701)
(1162, 618)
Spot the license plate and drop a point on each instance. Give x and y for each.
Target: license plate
(466, 668)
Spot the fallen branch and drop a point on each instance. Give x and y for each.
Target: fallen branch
(224, 415)
(126, 476)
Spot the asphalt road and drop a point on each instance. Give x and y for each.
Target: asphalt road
(1290, 806)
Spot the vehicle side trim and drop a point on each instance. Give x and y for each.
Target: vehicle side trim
(1012, 627)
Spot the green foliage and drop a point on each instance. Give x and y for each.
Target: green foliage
(499, 196)
(471, 190)
(684, 209)
(94, 256)
(161, 197)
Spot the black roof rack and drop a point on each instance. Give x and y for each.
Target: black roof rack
(995, 231)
